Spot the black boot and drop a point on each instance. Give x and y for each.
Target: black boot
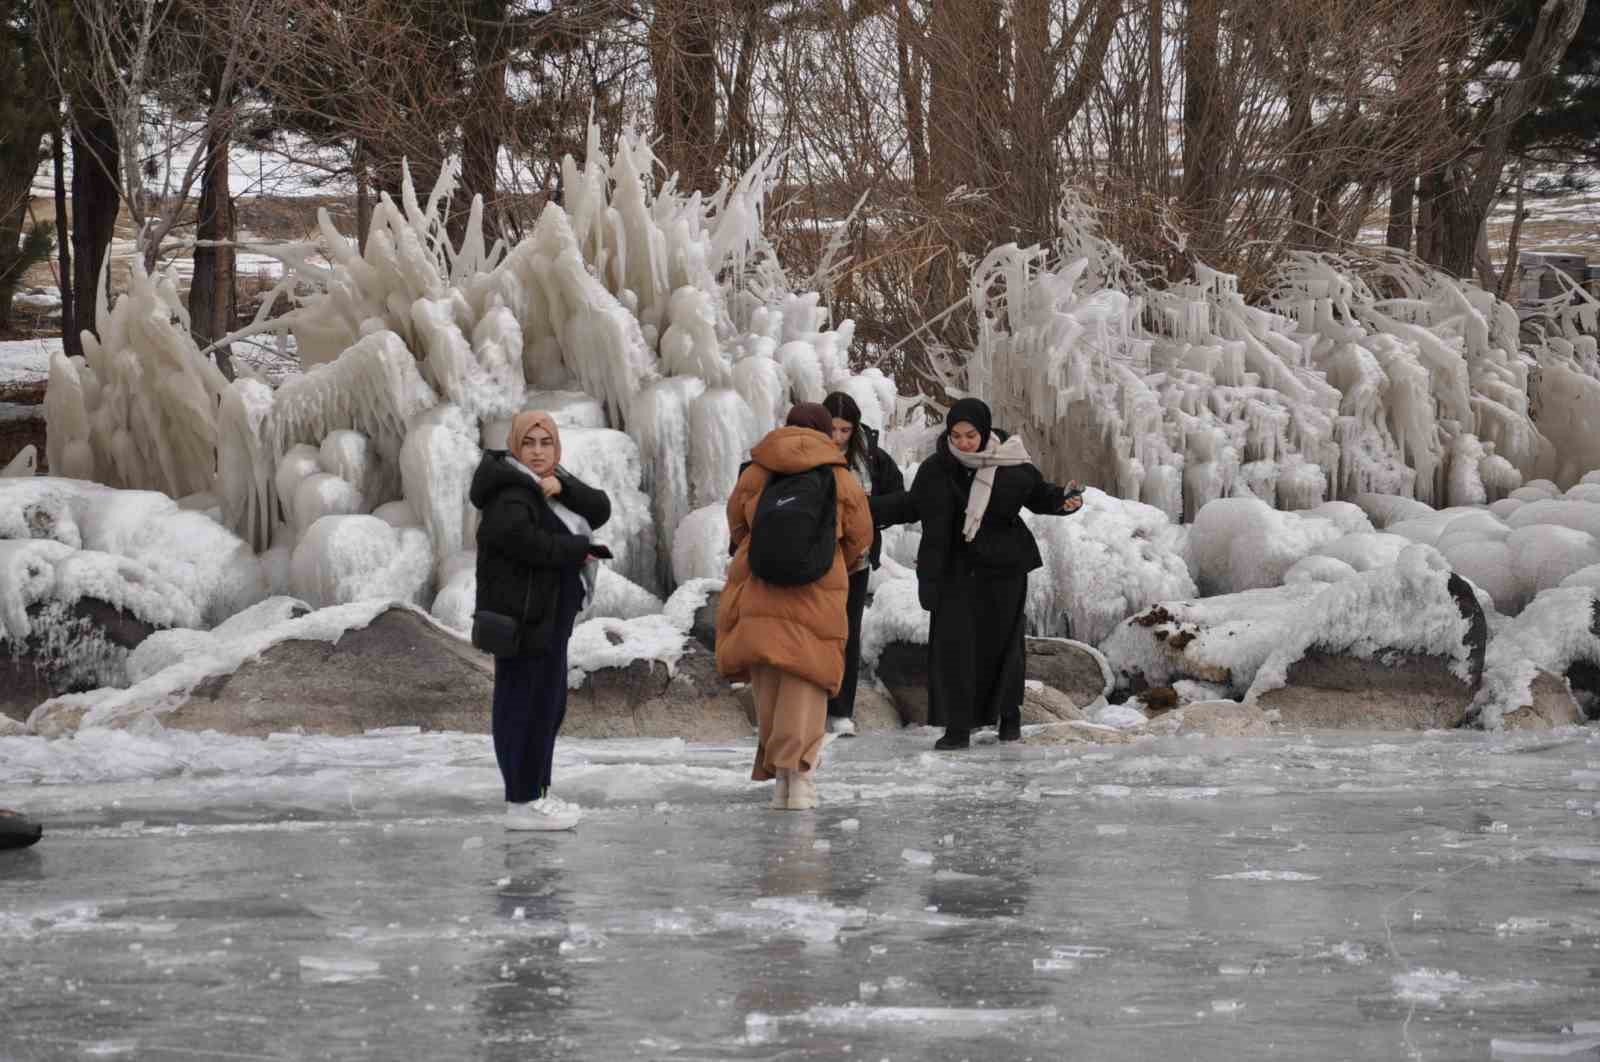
(1011, 726)
(953, 739)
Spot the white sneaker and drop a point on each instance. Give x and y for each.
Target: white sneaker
(780, 791)
(802, 791)
(842, 725)
(546, 814)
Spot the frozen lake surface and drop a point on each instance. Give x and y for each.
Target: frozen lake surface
(1324, 897)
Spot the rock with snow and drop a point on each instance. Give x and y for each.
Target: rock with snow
(1101, 565)
(335, 670)
(652, 698)
(1219, 640)
(397, 670)
(1558, 634)
(1396, 692)
(700, 545)
(70, 646)
(353, 558)
(1550, 704)
(1242, 544)
(1080, 671)
(1393, 648)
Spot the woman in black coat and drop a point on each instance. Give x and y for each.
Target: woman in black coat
(972, 570)
(880, 477)
(536, 567)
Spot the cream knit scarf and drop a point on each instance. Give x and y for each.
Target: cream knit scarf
(998, 455)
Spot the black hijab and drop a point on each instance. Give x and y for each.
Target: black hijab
(974, 412)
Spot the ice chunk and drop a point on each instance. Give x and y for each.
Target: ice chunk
(333, 970)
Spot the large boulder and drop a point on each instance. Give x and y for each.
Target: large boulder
(77, 646)
(1042, 704)
(1075, 669)
(1549, 704)
(1397, 692)
(1399, 648)
(398, 670)
(875, 710)
(1222, 719)
(1077, 732)
(646, 699)
(903, 670)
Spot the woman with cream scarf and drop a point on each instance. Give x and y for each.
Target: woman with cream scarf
(972, 570)
(536, 569)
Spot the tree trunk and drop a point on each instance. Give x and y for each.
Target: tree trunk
(17, 167)
(908, 53)
(1508, 277)
(1204, 124)
(95, 201)
(966, 89)
(483, 124)
(1465, 195)
(358, 163)
(1155, 118)
(1031, 187)
(71, 342)
(683, 58)
(1402, 194)
(213, 291)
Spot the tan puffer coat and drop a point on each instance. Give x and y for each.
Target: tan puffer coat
(798, 629)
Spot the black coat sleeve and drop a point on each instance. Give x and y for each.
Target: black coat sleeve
(1044, 497)
(891, 503)
(931, 495)
(511, 525)
(591, 503)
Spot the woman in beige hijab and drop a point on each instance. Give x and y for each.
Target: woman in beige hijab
(536, 563)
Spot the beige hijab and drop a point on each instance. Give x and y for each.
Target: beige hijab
(526, 421)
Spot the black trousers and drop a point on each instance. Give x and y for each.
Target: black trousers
(530, 702)
(843, 703)
(976, 652)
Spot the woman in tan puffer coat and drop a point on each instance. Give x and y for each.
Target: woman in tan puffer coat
(789, 641)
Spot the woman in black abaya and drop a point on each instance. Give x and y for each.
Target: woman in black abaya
(972, 570)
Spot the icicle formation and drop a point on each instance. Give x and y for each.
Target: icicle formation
(1182, 395)
(669, 312)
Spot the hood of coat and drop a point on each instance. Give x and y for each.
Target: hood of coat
(789, 450)
(495, 473)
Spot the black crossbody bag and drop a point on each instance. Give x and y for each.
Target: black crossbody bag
(497, 633)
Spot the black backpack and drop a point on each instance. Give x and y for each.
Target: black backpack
(794, 534)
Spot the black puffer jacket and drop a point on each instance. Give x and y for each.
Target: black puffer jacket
(1003, 545)
(888, 497)
(520, 560)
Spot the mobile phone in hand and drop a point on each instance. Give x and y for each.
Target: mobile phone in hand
(601, 550)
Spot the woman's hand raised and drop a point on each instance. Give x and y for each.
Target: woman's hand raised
(1074, 498)
(550, 485)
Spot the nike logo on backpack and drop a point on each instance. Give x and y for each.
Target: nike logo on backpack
(785, 501)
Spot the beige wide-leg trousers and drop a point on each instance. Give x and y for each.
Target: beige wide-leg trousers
(791, 720)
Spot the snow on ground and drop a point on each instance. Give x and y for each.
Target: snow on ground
(26, 361)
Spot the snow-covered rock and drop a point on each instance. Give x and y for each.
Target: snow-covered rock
(1242, 544)
(1557, 633)
(353, 558)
